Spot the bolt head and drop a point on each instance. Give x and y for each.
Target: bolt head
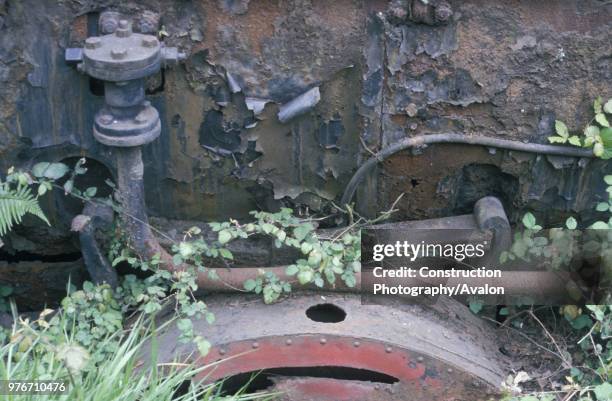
(140, 119)
(388, 350)
(150, 42)
(255, 345)
(118, 54)
(420, 359)
(106, 119)
(93, 42)
(323, 341)
(222, 351)
(124, 30)
(356, 344)
(289, 341)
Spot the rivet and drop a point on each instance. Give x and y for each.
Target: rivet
(449, 370)
(475, 383)
(222, 351)
(388, 350)
(255, 345)
(106, 119)
(149, 41)
(323, 341)
(93, 42)
(123, 23)
(140, 119)
(376, 387)
(420, 359)
(118, 54)
(356, 343)
(289, 341)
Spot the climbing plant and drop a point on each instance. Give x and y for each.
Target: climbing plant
(597, 134)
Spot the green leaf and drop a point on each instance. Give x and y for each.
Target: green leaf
(267, 228)
(608, 179)
(608, 106)
(606, 137)
(250, 285)
(203, 345)
(224, 236)
(556, 139)
(301, 231)
(574, 140)
(561, 129)
(602, 120)
(74, 356)
(529, 220)
(603, 392)
(504, 311)
(226, 253)
(291, 270)
(305, 276)
(571, 223)
(600, 225)
(597, 105)
(186, 250)
(52, 171)
(42, 189)
(90, 192)
(591, 131)
(306, 248)
(602, 207)
(68, 186)
(476, 306)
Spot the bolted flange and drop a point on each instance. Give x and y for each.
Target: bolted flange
(123, 59)
(113, 130)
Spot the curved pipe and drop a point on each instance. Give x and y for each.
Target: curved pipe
(130, 183)
(421, 140)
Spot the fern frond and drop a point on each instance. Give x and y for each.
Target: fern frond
(16, 203)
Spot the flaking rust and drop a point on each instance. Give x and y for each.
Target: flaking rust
(384, 70)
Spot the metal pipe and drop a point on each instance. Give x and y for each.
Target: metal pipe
(421, 140)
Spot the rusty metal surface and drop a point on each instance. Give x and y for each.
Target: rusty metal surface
(443, 348)
(384, 71)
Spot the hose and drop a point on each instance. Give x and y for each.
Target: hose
(421, 140)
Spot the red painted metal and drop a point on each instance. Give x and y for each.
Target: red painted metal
(318, 388)
(312, 351)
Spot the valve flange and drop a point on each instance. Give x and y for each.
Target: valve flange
(122, 59)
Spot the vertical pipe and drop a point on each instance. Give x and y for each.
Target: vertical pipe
(130, 183)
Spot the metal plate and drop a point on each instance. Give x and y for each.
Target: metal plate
(435, 353)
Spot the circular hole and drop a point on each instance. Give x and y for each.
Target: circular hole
(326, 313)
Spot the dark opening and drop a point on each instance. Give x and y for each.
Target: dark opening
(23, 256)
(96, 86)
(326, 313)
(414, 182)
(251, 382)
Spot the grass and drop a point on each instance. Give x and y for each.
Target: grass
(39, 351)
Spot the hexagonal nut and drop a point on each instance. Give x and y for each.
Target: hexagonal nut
(148, 22)
(93, 42)
(172, 56)
(124, 29)
(118, 54)
(150, 41)
(108, 22)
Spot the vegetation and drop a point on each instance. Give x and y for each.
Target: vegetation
(588, 367)
(48, 349)
(597, 134)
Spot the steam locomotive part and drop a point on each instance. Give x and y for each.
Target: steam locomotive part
(423, 353)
